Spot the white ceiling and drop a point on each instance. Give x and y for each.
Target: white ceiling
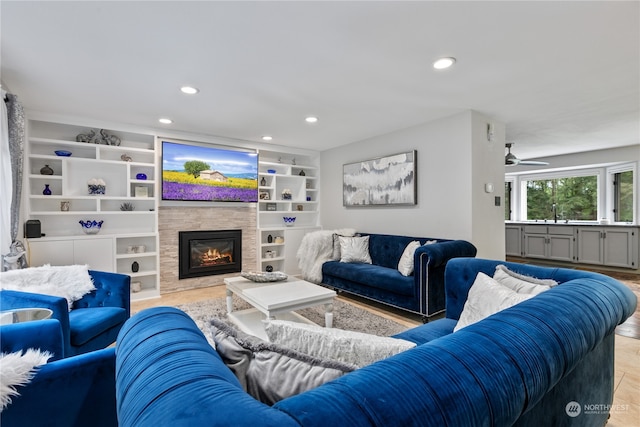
(563, 76)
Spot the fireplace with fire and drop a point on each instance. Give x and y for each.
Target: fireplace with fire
(205, 253)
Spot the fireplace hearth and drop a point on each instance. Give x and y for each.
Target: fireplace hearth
(209, 252)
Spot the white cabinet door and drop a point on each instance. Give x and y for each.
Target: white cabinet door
(535, 245)
(57, 252)
(590, 245)
(618, 247)
(513, 243)
(96, 253)
(560, 247)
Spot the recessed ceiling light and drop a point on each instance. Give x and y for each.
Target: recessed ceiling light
(189, 90)
(165, 121)
(267, 138)
(311, 119)
(443, 63)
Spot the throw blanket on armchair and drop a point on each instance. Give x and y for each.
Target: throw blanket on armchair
(71, 282)
(317, 248)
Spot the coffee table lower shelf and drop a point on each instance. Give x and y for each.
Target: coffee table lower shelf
(251, 320)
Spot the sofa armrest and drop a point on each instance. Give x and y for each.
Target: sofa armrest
(76, 391)
(112, 290)
(430, 262)
(438, 254)
(44, 335)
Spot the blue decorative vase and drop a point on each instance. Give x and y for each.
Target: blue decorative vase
(141, 176)
(47, 190)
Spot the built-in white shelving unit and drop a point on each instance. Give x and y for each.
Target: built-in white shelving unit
(279, 241)
(130, 175)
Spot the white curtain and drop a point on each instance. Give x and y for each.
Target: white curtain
(6, 184)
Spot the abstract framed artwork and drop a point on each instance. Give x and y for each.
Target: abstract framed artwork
(389, 180)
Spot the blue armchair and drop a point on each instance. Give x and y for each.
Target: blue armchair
(74, 391)
(95, 319)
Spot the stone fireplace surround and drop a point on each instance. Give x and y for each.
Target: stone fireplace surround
(173, 219)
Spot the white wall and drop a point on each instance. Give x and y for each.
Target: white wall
(454, 161)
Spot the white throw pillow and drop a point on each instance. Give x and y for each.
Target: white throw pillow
(520, 283)
(486, 297)
(355, 348)
(17, 370)
(430, 242)
(405, 265)
(354, 249)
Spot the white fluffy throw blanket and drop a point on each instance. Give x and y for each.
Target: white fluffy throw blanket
(317, 248)
(70, 281)
(17, 369)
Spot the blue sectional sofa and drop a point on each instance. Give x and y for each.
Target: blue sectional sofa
(527, 365)
(422, 292)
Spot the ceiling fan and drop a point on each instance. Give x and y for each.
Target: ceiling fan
(512, 160)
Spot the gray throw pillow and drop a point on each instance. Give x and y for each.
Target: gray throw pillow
(270, 372)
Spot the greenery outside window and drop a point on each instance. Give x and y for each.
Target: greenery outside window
(562, 198)
(623, 196)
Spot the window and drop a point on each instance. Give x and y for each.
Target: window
(573, 198)
(623, 196)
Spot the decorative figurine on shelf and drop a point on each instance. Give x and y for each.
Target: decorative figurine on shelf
(269, 268)
(125, 157)
(86, 137)
(107, 139)
(302, 173)
(286, 194)
(46, 170)
(293, 161)
(47, 190)
(135, 267)
(96, 186)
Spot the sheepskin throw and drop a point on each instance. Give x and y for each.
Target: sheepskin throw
(315, 249)
(17, 369)
(70, 281)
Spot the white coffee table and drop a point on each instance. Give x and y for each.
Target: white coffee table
(275, 300)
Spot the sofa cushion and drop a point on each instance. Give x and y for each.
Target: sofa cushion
(388, 279)
(270, 372)
(354, 249)
(405, 265)
(88, 323)
(486, 297)
(350, 347)
(521, 283)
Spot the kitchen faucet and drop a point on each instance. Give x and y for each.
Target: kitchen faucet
(554, 208)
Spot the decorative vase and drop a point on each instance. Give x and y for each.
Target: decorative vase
(47, 190)
(263, 182)
(141, 176)
(135, 267)
(46, 170)
(269, 238)
(269, 268)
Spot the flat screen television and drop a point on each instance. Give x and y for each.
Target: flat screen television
(193, 172)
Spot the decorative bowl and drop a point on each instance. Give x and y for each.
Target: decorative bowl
(63, 153)
(271, 171)
(91, 226)
(289, 220)
(275, 276)
(141, 176)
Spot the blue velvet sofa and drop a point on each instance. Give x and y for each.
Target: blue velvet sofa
(77, 391)
(525, 365)
(422, 292)
(95, 319)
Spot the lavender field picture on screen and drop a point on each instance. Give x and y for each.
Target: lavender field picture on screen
(389, 180)
(207, 173)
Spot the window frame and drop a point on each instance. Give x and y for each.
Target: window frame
(611, 193)
(566, 173)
